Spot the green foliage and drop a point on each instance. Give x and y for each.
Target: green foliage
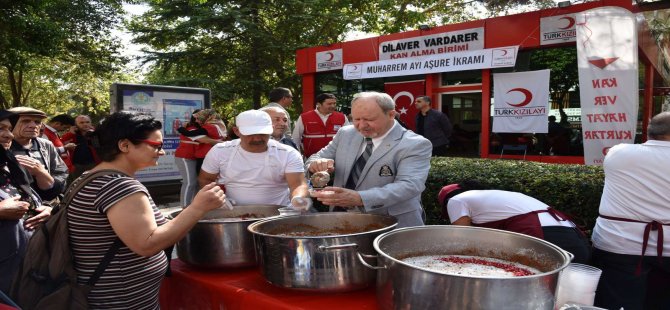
(241, 49)
(563, 65)
(575, 189)
(73, 33)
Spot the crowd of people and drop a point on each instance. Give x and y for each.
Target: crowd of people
(378, 165)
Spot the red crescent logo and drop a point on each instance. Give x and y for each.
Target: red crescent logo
(571, 22)
(528, 97)
(504, 53)
(330, 56)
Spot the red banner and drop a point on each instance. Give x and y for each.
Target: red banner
(404, 94)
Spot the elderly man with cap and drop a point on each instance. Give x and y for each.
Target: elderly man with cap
(254, 168)
(38, 156)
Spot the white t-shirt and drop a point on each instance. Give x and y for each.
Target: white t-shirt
(483, 206)
(636, 187)
(254, 178)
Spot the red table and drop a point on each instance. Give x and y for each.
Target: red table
(191, 288)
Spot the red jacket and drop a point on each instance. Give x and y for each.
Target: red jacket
(55, 139)
(187, 147)
(70, 137)
(203, 148)
(317, 135)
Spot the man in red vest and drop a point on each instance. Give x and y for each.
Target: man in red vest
(60, 123)
(315, 129)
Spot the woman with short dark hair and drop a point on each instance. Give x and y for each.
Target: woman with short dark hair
(118, 206)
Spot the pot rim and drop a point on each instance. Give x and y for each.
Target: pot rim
(563, 253)
(174, 214)
(253, 226)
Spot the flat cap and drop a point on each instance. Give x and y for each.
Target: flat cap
(27, 111)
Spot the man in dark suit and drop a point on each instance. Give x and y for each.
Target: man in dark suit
(434, 125)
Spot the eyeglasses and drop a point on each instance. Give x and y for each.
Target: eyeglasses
(155, 144)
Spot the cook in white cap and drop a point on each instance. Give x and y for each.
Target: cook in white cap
(254, 168)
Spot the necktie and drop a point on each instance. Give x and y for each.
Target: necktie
(359, 165)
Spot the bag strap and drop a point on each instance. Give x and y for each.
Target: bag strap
(81, 181)
(76, 186)
(105, 262)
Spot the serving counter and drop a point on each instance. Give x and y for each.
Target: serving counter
(192, 288)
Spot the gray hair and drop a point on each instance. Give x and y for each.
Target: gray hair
(659, 127)
(384, 101)
(425, 98)
(274, 109)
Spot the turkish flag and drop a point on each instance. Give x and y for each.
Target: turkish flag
(404, 94)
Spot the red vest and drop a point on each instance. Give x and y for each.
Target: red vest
(55, 139)
(187, 147)
(316, 136)
(203, 148)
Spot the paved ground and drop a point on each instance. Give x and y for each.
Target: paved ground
(166, 198)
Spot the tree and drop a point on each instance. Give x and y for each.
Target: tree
(241, 49)
(564, 75)
(74, 33)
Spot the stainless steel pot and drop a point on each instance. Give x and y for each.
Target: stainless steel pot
(404, 286)
(221, 240)
(321, 263)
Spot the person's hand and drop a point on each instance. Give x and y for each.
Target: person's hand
(301, 203)
(43, 213)
(337, 196)
(13, 208)
(32, 165)
(70, 146)
(322, 164)
(210, 197)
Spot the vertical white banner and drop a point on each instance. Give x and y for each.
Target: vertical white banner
(520, 101)
(608, 79)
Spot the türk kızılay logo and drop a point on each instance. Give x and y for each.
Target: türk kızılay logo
(353, 71)
(503, 56)
(329, 60)
(140, 98)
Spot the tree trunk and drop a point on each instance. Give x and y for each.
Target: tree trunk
(3, 101)
(255, 70)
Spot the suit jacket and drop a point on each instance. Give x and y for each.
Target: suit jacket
(393, 177)
(437, 127)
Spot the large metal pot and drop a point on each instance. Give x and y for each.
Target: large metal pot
(221, 240)
(322, 263)
(404, 286)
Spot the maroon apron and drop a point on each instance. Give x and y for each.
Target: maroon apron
(527, 223)
(650, 226)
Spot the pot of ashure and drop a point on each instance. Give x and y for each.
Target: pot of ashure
(221, 240)
(459, 267)
(319, 252)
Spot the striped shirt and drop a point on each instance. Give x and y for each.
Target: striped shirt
(130, 281)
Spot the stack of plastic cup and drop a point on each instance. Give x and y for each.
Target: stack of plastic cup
(577, 284)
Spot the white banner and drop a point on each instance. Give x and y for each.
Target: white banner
(471, 60)
(521, 101)
(557, 29)
(439, 43)
(329, 60)
(608, 79)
